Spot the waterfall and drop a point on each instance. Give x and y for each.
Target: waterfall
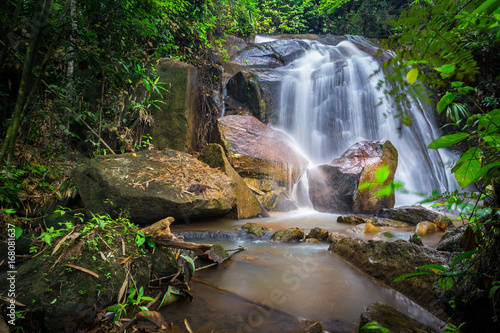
(329, 101)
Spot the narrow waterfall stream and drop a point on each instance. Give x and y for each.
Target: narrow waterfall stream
(328, 102)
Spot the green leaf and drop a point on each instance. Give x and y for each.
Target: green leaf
(189, 268)
(384, 192)
(448, 140)
(493, 290)
(410, 275)
(445, 101)
(467, 168)
(485, 5)
(446, 283)
(434, 267)
(412, 76)
(382, 173)
(447, 69)
(18, 232)
(462, 256)
(457, 84)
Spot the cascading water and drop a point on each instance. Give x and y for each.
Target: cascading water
(330, 100)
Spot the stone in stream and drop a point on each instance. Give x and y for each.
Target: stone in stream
(335, 188)
(288, 235)
(414, 214)
(255, 229)
(318, 233)
(247, 204)
(392, 320)
(151, 185)
(425, 228)
(387, 260)
(364, 228)
(258, 151)
(355, 219)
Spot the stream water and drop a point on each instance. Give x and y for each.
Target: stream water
(297, 281)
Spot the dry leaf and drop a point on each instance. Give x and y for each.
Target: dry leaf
(83, 270)
(123, 288)
(58, 245)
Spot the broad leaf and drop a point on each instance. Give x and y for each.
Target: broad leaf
(412, 76)
(467, 169)
(435, 268)
(448, 140)
(446, 283)
(410, 275)
(463, 256)
(382, 173)
(447, 69)
(189, 267)
(445, 101)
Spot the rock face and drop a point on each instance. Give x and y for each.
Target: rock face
(247, 204)
(175, 118)
(414, 214)
(387, 260)
(257, 151)
(334, 187)
(153, 185)
(391, 319)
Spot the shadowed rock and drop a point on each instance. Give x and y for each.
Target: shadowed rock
(335, 188)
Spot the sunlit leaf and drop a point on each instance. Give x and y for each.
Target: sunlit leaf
(382, 173)
(448, 140)
(462, 256)
(412, 76)
(409, 275)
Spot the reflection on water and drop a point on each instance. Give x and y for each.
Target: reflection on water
(295, 280)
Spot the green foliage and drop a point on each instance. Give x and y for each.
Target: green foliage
(374, 327)
(446, 275)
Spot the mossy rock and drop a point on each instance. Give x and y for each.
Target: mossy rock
(318, 233)
(67, 298)
(289, 235)
(255, 229)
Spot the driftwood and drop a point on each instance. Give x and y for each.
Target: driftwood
(163, 236)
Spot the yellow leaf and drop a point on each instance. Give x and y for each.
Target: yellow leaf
(134, 154)
(412, 75)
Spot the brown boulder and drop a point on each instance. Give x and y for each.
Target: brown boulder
(415, 214)
(425, 228)
(151, 185)
(247, 204)
(334, 187)
(258, 151)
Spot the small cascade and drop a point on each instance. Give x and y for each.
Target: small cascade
(330, 100)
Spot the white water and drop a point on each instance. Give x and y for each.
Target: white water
(329, 101)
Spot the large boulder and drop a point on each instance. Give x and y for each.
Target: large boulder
(175, 115)
(387, 260)
(258, 151)
(335, 188)
(266, 55)
(151, 185)
(247, 204)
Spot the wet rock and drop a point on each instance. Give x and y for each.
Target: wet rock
(266, 55)
(258, 151)
(364, 228)
(414, 214)
(387, 260)
(425, 228)
(255, 229)
(384, 222)
(334, 237)
(153, 185)
(318, 233)
(355, 219)
(392, 236)
(288, 235)
(68, 299)
(247, 204)
(450, 241)
(279, 201)
(206, 234)
(391, 319)
(232, 45)
(175, 118)
(334, 187)
(263, 185)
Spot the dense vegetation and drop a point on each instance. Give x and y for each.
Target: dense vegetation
(69, 65)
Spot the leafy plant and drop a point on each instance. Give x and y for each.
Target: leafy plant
(446, 275)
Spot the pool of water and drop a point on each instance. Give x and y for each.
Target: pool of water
(278, 287)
